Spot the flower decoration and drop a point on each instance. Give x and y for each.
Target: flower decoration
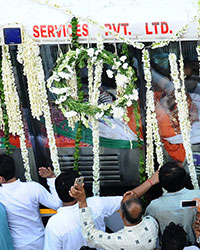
(28, 55)
(151, 120)
(65, 88)
(64, 84)
(13, 107)
(183, 117)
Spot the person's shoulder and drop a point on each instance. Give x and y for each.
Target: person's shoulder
(156, 202)
(2, 207)
(101, 199)
(191, 248)
(29, 183)
(151, 221)
(53, 220)
(194, 193)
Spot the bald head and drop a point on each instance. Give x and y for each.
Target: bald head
(131, 210)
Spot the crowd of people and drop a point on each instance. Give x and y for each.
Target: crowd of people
(79, 221)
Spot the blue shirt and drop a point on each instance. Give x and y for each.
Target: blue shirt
(6, 242)
(167, 208)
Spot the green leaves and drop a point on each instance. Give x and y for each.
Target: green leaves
(5, 115)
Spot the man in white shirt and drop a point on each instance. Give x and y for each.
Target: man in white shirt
(63, 230)
(138, 233)
(21, 200)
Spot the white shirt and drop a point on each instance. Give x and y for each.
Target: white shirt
(63, 230)
(21, 200)
(191, 248)
(142, 236)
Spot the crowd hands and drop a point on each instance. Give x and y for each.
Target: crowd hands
(79, 221)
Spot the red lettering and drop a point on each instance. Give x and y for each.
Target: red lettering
(43, 30)
(116, 29)
(78, 30)
(64, 31)
(164, 27)
(155, 24)
(107, 25)
(125, 27)
(85, 30)
(58, 30)
(69, 30)
(36, 32)
(50, 30)
(147, 29)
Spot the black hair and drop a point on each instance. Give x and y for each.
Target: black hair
(125, 210)
(174, 237)
(172, 177)
(63, 184)
(7, 167)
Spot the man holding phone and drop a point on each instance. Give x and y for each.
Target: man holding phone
(138, 233)
(63, 230)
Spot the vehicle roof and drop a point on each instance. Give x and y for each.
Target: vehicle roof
(136, 20)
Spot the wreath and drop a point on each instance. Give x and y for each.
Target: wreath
(65, 80)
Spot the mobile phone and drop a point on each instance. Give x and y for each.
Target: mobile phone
(79, 181)
(186, 203)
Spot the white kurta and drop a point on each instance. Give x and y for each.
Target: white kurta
(63, 230)
(21, 200)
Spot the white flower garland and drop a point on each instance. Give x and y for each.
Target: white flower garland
(183, 91)
(25, 52)
(1, 117)
(198, 19)
(174, 38)
(94, 94)
(13, 108)
(64, 88)
(151, 120)
(183, 119)
(198, 55)
(28, 54)
(95, 129)
(95, 166)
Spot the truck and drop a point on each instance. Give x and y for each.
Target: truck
(143, 109)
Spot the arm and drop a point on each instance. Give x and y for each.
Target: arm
(145, 186)
(49, 199)
(95, 237)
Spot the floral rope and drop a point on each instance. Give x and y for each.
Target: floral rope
(95, 129)
(183, 119)
(95, 166)
(13, 108)
(1, 117)
(198, 56)
(151, 121)
(198, 19)
(28, 54)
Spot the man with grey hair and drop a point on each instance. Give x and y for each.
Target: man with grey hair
(138, 233)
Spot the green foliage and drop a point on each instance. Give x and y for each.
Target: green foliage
(74, 40)
(76, 59)
(5, 115)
